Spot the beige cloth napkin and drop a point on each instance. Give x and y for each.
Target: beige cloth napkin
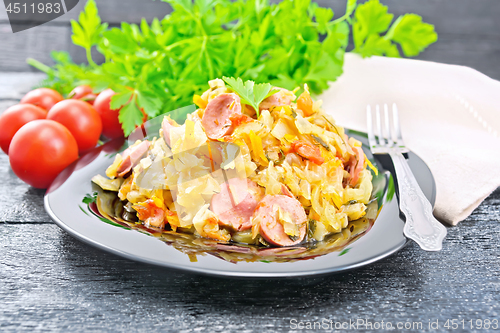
(450, 117)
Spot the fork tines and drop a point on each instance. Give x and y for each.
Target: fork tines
(384, 137)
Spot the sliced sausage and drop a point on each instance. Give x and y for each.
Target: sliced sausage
(131, 157)
(282, 97)
(270, 228)
(166, 125)
(236, 202)
(216, 119)
(357, 165)
(286, 191)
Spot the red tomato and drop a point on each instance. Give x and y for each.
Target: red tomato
(40, 150)
(81, 119)
(14, 118)
(80, 91)
(42, 97)
(111, 127)
(83, 93)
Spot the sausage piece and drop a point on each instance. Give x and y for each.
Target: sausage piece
(216, 120)
(131, 157)
(236, 202)
(357, 165)
(286, 191)
(166, 125)
(281, 98)
(271, 229)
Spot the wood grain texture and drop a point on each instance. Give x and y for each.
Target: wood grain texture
(50, 281)
(35, 43)
(19, 203)
(14, 85)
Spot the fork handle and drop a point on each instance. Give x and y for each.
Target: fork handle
(421, 225)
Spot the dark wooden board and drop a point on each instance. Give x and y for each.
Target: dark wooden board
(51, 281)
(14, 85)
(19, 203)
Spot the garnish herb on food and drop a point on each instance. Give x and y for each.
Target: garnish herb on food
(321, 142)
(249, 92)
(160, 65)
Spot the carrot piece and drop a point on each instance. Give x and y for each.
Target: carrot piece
(239, 118)
(305, 103)
(150, 213)
(308, 150)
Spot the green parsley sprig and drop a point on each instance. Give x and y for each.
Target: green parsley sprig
(88, 29)
(251, 94)
(158, 66)
(371, 20)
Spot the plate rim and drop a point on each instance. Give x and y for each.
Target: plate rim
(219, 273)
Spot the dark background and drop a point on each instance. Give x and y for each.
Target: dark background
(51, 282)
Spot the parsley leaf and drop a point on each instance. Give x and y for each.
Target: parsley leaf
(376, 45)
(120, 99)
(250, 93)
(150, 103)
(412, 34)
(130, 116)
(351, 6)
(371, 19)
(88, 28)
(323, 16)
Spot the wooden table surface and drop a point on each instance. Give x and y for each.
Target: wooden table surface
(51, 281)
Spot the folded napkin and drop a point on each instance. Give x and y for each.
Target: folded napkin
(450, 117)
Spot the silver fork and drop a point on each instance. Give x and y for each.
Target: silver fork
(421, 226)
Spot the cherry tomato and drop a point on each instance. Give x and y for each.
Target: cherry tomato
(81, 119)
(14, 118)
(111, 127)
(40, 150)
(83, 93)
(42, 97)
